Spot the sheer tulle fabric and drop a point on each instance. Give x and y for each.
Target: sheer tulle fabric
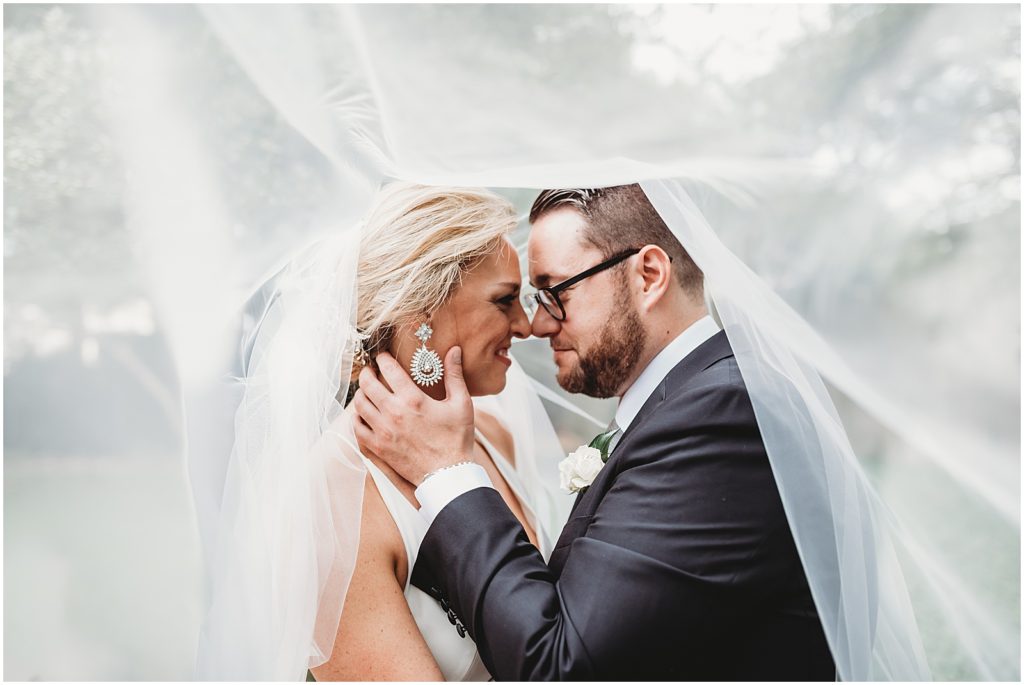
(287, 529)
(842, 531)
(324, 103)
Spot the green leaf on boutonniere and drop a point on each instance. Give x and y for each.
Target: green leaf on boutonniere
(601, 443)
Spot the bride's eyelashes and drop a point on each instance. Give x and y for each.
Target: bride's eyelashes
(507, 300)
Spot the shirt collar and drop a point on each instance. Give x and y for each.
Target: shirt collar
(686, 342)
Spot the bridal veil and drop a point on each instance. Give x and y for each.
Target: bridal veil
(848, 180)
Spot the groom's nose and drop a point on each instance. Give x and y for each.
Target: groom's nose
(544, 325)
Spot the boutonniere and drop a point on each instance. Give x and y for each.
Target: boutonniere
(578, 470)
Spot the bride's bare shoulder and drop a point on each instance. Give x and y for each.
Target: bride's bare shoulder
(496, 433)
(379, 530)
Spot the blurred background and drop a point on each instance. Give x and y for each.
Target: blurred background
(161, 161)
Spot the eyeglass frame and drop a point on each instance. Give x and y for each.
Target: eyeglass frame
(553, 290)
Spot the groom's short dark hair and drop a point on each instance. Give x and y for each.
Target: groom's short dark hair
(621, 217)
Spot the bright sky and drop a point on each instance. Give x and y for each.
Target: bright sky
(740, 41)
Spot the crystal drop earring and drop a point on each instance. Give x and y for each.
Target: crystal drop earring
(426, 368)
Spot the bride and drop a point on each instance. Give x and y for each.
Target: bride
(434, 269)
(452, 244)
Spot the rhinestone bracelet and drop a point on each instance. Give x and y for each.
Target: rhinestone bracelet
(444, 468)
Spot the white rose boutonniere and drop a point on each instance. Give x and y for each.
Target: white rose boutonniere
(578, 470)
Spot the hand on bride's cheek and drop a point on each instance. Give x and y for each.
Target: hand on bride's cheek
(414, 435)
(483, 316)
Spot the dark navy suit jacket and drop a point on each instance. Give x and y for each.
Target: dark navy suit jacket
(677, 563)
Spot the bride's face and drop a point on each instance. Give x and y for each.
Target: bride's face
(482, 316)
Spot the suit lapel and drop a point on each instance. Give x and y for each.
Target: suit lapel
(653, 401)
(576, 503)
(707, 353)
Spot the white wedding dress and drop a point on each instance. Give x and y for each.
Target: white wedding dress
(456, 656)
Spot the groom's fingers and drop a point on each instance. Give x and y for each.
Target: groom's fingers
(454, 382)
(365, 409)
(395, 375)
(372, 389)
(365, 437)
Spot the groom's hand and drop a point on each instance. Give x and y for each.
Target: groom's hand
(414, 433)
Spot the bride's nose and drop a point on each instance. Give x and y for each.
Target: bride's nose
(520, 321)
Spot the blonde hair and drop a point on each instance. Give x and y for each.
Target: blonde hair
(416, 244)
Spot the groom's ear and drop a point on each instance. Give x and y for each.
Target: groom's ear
(654, 274)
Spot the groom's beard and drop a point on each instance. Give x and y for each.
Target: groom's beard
(606, 366)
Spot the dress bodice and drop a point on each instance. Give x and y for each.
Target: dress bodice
(456, 656)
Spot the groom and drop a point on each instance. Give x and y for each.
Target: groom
(677, 562)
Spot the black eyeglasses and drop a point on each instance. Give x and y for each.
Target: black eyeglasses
(548, 297)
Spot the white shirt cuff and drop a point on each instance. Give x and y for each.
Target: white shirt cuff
(438, 490)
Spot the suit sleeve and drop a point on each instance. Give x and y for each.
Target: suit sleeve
(674, 549)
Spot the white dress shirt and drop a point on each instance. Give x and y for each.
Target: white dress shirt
(436, 492)
(699, 332)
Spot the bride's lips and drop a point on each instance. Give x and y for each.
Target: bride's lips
(502, 355)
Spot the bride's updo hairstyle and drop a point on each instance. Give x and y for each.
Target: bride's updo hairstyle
(416, 244)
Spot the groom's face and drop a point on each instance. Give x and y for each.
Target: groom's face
(600, 341)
